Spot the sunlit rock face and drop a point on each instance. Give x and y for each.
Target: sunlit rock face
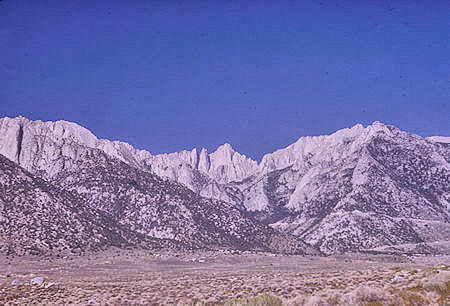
(49, 147)
(93, 193)
(356, 189)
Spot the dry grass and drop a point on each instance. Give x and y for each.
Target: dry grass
(230, 281)
(261, 300)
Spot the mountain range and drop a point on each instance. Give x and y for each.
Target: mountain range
(358, 189)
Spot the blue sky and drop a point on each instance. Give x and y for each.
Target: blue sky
(171, 75)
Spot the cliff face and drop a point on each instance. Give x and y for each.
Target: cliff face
(357, 189)
(116, 203)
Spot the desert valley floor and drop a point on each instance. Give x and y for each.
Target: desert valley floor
(131, 277)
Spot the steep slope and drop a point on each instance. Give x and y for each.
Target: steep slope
(223, 165)
(356, 189)
(133, 198)
(39, 218)
(162, 208)
(49, 146)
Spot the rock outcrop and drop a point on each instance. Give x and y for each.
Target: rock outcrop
(137, 207)
(357, 189)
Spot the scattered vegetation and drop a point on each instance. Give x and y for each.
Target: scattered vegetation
(261, 300)
(374, 286)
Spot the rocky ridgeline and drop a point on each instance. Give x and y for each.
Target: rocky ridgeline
(94, 201)
(358, 189)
